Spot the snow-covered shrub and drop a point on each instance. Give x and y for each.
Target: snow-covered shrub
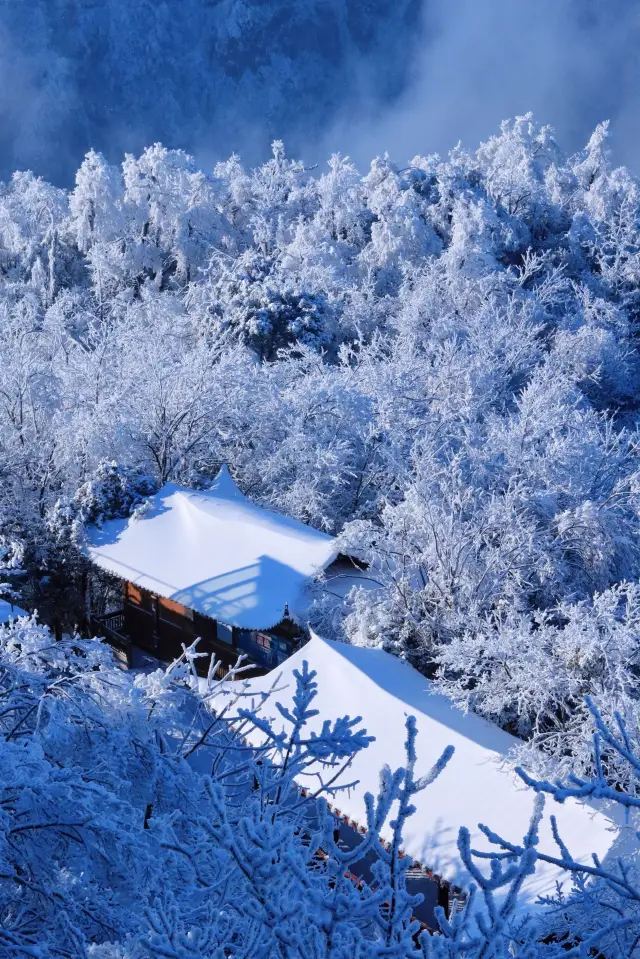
(602, 906)
(532, 672)
(266, 311)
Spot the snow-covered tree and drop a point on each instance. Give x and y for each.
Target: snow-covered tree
(157, 814)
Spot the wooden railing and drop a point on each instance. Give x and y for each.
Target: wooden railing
(114, 622)
(112, 626)
(122, 633)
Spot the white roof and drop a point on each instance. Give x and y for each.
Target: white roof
(215, 552)
(9, 612)
(475, 787)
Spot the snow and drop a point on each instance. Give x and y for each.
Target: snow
(476, 786)
(9, 612)
(215, 552)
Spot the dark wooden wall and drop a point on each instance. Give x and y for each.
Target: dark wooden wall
(162, 626)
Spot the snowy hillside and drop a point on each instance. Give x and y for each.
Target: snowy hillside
(9, 611)
(437, 363)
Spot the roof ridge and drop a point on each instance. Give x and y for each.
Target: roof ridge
(225, 485)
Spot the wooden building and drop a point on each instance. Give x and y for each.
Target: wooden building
(215, 566)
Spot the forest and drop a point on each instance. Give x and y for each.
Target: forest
(436, 363)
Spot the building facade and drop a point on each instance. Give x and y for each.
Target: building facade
(162, 627)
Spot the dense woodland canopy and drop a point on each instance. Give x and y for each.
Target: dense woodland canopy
(437, 362)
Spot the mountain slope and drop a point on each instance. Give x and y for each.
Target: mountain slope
(209, 75)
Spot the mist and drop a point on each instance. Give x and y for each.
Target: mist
(362, 77)
(573, 63)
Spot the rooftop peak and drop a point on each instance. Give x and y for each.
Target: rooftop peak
(224, 485)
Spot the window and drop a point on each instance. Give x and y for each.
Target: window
(225, 633)
(264, 648)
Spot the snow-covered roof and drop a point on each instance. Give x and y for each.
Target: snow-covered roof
(9, 612)
(216, 552)
(475, 787)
